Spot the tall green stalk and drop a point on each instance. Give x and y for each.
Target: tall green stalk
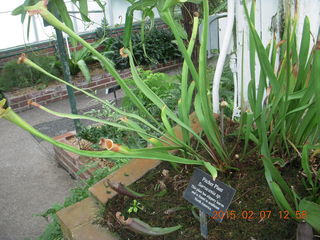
(284, 110)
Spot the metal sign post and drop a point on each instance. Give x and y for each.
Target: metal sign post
(203, 224)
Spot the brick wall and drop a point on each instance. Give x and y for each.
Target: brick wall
(59, 92)
(71, 162)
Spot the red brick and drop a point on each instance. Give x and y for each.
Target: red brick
(18, 99)
(14, 106)
(23, 104)
(102, 81)
(43, 98)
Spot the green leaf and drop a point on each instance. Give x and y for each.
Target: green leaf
(280, 198)
(84, 69)
(65, 17)
(304, 50)
(83, 7)
(63, 12)
(166, 121)
(305, 163)
(262, 54)
(19, 10)
(141, 227)
(100, 4)
(213, 171)
(313, 213)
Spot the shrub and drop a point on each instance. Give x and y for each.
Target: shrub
(161, 84)
(159, 46)
(103, 30)
(20, 75)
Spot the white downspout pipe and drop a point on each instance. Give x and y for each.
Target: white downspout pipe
(222, 56)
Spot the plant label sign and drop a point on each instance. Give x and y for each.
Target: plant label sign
(208, 195)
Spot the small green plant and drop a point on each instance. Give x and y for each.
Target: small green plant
(80, 59)
(104, 30)
(15, 76)
(158, 44)
(135, 207)
(165, 86)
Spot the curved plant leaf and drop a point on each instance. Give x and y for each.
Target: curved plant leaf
(141, 227)
(313, 213)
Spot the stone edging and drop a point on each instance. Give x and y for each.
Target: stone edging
(59, 92)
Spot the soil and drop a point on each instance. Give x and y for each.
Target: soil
(164, 205)
(95, 69)
(33, 89)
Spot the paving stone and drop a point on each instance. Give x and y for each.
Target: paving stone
(76, 215)
(77, 222)
(92, 232)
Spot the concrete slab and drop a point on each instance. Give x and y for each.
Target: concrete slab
(31, 181)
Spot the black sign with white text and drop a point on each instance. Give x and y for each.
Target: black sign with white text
(208, 195)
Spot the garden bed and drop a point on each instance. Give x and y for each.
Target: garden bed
(257, 214)
(18, 99)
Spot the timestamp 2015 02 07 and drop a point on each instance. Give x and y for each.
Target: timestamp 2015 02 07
(264, 214)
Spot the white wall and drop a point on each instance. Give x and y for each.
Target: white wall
(265, 10)
(10, 27)
(13, 33)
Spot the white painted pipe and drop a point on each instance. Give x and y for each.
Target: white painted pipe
(67, 43)
(223, 55)
(237, 97)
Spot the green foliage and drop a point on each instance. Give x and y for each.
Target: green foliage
(135, 207)
(288, 114)
(52, 231)
(159, 46)
(95, 133)
(165, 86)
(2, 96)
(217, 6)
(197, 90)
(195, 95)
(80, 58)
(162, 84)
(20, 75)
(104, 29)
